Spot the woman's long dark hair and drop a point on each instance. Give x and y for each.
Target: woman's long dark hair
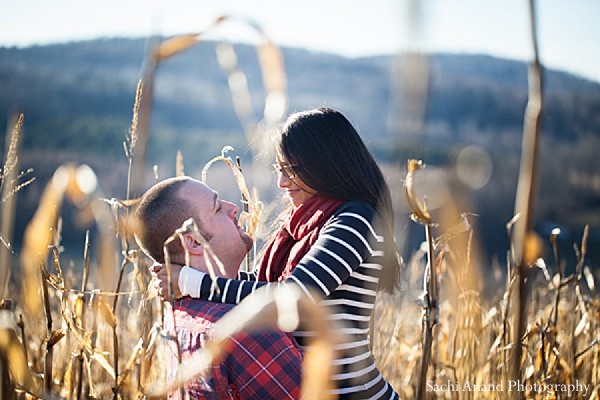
(327, 154)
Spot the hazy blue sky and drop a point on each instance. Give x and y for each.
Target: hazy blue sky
(568, 29)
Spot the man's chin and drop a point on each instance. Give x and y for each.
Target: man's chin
(248, 241)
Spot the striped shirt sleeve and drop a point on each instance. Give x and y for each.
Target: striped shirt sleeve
(247, 276)
(344, 243)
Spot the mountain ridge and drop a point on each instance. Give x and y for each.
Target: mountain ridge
(77, 99)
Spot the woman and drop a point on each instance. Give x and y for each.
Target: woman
(338, 241)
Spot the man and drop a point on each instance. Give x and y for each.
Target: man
(263, 365)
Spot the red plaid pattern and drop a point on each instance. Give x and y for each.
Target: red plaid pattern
(258, 365)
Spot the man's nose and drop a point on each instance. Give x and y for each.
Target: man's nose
(232, 209)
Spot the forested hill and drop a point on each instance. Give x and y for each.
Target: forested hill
(87, 88)
(77, 100)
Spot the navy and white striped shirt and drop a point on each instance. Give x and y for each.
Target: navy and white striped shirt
(342, 269)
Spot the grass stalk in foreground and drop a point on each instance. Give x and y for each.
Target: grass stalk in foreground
(430, 289)
(524, 202)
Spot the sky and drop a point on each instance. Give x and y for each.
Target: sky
(568, 30)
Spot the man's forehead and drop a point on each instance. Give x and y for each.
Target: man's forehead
(201, 192)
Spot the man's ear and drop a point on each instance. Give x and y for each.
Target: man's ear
(193, 246)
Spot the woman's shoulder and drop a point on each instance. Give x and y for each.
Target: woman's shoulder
(359, 207)
(360, 215)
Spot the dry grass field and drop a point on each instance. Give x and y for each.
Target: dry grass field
(99, 334)
(96, 330)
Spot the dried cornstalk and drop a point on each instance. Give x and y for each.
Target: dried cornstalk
(132, 139)
(274, 81)
(179, 170)
(252, 205)
(11, 348)
(81, 298)
(38, 234)
(524, 201)
(553, 240)
(7, 175)
(117, 388)
(49, 350)
(431, 296)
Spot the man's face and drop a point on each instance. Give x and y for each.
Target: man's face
(218, 219)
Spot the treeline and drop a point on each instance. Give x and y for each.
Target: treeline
(77, 100)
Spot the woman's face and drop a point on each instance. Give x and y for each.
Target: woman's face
(297, 191)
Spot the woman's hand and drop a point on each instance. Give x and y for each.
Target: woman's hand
(160, 271)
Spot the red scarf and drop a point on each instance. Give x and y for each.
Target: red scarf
(295, 238)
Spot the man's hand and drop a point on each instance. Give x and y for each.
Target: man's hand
(160, 271)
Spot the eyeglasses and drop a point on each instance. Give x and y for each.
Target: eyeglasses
(286, 169)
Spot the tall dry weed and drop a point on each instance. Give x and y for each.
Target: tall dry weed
(103, 335)
(11, 182)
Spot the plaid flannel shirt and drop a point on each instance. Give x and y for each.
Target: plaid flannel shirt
(259, 365)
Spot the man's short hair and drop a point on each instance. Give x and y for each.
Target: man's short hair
(161, 211)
